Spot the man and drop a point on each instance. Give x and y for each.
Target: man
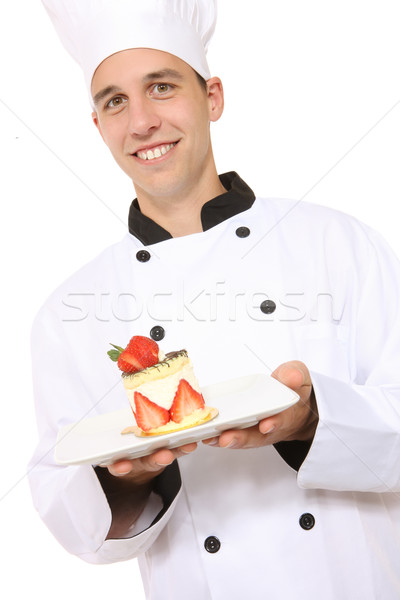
(161, 104)
(278, 509)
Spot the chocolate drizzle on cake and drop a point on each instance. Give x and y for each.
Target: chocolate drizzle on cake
(169, 358)
(176, 354)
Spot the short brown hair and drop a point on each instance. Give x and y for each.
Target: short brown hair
(202, 81)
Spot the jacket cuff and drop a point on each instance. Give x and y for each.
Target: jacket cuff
(295, 452)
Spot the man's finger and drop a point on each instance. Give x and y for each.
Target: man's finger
(120, 468)
(294, 374)
(153, 462)
(242, 438)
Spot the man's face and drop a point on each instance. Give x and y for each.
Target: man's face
(154, 116)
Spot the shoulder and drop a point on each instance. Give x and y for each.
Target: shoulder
(91, 277)
(303, 229)
(312, 220)
(293, 210)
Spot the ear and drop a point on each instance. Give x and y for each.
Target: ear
(96, 122)
(215, 94)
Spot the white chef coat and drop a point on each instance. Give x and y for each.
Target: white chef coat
(336, 288)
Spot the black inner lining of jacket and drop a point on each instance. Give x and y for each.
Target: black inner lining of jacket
(237, 198)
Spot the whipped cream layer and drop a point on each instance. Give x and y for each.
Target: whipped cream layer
(162, 391)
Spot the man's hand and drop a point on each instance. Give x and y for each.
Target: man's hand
(127, 485)
(140, 471)
(295, 423)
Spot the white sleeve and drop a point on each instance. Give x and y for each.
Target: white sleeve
(357, 443)
(70, 499)
(72, 504)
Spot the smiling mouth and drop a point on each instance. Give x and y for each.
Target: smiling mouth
(155, 152)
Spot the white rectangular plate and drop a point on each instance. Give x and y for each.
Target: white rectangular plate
(241, 403)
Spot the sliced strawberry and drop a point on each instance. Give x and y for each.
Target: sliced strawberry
(148, 414)
(140, 353)
(185, 402)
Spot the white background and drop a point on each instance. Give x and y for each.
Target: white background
(312, 112)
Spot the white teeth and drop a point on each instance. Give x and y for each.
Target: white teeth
(156, 153)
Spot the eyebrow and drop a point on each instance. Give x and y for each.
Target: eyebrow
(110, 89)
(114, 89)
(164, 73)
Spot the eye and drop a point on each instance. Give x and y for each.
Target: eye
(160, 89)
(115, 102)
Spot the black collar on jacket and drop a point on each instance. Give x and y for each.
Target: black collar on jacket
(237, 198)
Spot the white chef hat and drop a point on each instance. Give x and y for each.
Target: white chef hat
(92, 30)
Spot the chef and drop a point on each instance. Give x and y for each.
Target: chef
(305, 504)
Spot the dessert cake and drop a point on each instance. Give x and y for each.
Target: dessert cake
(162, 389)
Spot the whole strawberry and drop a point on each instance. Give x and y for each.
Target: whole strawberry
(140, 353)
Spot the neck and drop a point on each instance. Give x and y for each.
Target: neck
(180, 213)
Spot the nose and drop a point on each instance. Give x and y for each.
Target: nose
(143, 117)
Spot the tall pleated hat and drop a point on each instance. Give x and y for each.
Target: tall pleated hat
(92, 30)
